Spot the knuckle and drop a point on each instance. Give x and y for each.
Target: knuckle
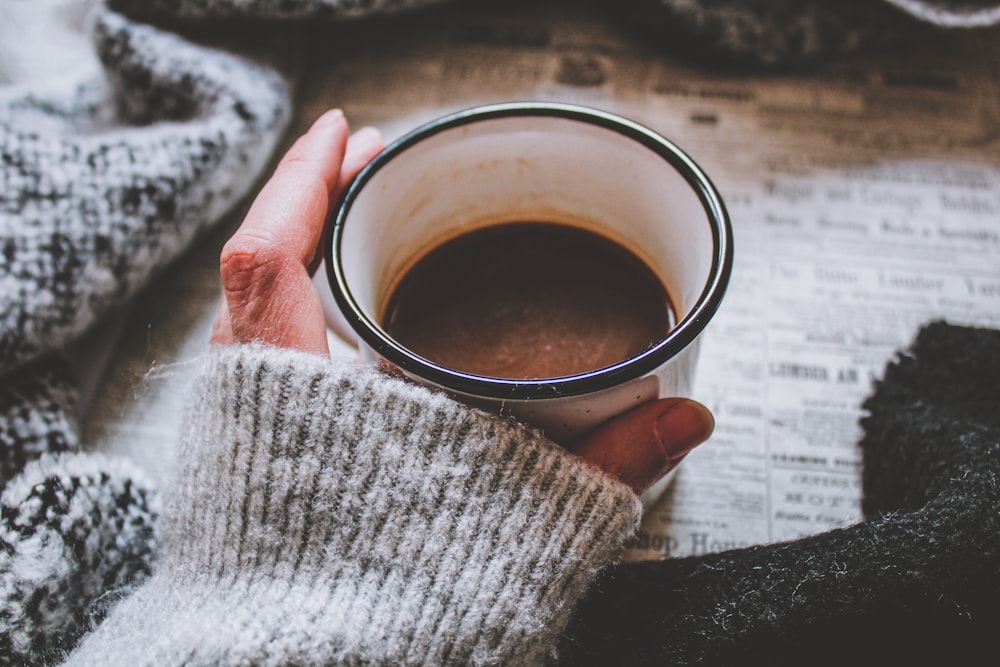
(293, 159)
(248, 265)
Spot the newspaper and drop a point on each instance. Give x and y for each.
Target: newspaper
(865, 200)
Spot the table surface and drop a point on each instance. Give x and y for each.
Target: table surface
(864, 196)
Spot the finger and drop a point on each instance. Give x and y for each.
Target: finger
(361, 148)
(222, 332)
(268, 291)
(290, 210)
(644, 444)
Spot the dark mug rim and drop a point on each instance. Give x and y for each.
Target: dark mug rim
(677, 339)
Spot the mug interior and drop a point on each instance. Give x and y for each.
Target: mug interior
(524, 163)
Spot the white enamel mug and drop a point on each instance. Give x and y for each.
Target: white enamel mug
(544, 162)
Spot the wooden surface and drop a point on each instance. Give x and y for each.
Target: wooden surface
(865, 197)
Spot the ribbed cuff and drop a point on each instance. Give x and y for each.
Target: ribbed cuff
(327, 514)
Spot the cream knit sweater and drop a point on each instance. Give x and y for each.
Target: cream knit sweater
(325, 514)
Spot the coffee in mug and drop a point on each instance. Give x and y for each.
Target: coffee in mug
(528, 300)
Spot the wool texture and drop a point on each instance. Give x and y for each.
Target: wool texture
(266, 9)
(916, 583)
(36, 414)
(769, 33)
(326, 514)
(952, 14)
(106, 175)
(88, 213)
(743, 33)
(75, 531)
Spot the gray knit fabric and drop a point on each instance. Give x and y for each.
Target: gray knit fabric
(75, 530)
(105, 181)
(36, 414)
(755, 33)
(953, 13)
(947, 13)
(325, 514)
(266, 9)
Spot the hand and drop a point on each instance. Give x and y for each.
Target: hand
(269, 296)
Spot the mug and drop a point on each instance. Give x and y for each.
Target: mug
(543, 162)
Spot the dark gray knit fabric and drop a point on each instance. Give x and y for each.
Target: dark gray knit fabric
(754, 33)
(76, 530)
(36, 414)
(917, 583)
(790, 33)
(266, 9)
(735, 32)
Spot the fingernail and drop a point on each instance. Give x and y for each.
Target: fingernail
(328, 119)
(681, 428)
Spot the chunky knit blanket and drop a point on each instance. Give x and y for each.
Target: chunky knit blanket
(110, 172)
(105, 177)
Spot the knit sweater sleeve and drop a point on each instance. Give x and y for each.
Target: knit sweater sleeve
(326, 514)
